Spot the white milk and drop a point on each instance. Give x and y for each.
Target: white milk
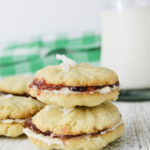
(126, 45)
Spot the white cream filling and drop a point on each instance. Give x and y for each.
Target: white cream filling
(66, 62)
(50, 140)
(104, 90)
(7, 95)
(113, 127)
(95, 139)
(46, 139)
(13, 121)
(67, 91)
(62, 91)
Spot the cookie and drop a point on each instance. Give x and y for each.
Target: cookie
(75, 128)
(14, 110)
(15, 84)
(89, 84)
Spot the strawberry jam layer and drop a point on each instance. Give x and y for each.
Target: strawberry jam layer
(42, 85)
(29, 124)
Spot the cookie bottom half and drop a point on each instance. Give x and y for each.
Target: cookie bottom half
(71, 100)
(11, 129)
(78, 143)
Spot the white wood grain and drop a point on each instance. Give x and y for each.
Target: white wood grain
(137, 127)
(136, 136)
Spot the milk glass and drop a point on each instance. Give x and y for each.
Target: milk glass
(126, 45)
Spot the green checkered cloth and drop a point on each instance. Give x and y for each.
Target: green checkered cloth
(27, 58)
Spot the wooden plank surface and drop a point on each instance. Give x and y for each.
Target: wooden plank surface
(136, 136)
(137, 127)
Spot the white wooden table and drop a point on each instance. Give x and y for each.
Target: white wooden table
(136, 136)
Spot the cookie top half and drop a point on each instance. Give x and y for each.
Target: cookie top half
(77, 120)
(79, 75)
(18, 107)
(15, 84)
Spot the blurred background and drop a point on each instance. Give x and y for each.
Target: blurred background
(114, 34)
(33, 32)
(23, 19)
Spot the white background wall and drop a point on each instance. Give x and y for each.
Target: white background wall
(21, 19)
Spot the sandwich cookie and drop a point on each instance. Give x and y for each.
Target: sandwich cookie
(13, 112)
(16, 105)
(71, 84)
(80, 128)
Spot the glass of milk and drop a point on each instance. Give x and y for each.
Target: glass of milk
(126, 45)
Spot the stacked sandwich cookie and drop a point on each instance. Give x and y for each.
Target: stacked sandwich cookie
(16, 105)
(78, 114)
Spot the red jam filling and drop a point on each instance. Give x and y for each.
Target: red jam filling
(42, 85)
(29, 124)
